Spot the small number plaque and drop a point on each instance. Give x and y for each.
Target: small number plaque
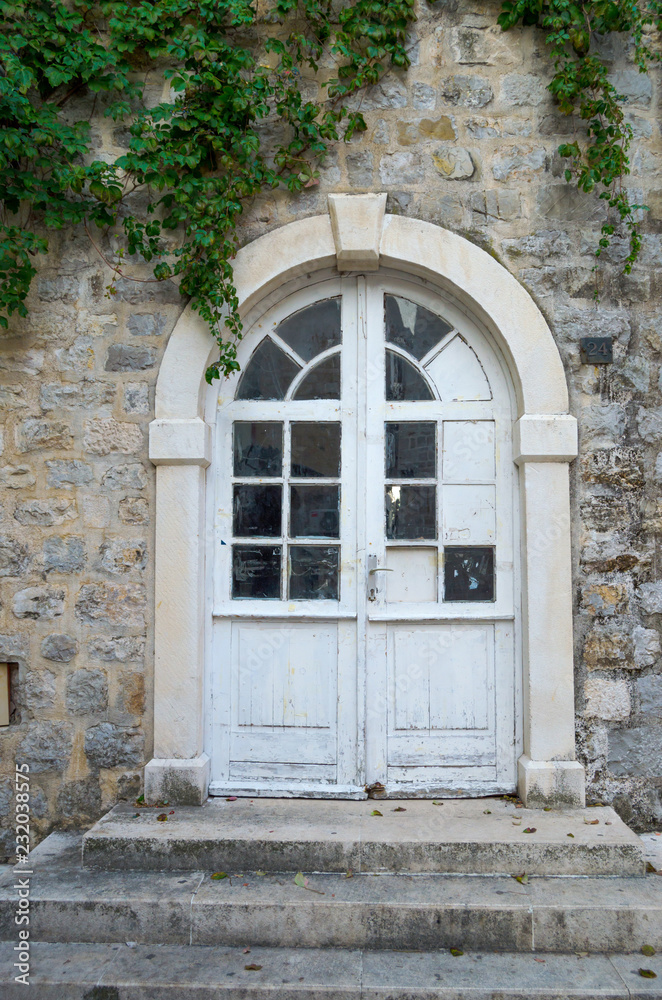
(596, 350)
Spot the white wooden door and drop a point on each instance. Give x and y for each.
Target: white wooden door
(364, 578)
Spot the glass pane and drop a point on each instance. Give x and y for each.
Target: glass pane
(256, 571)
(403, 381)
(322, 381)
(258, 449)
(313, 572)
(314, 511)
(412, 327)
(313, 329)
(411, 450)
(268, 373)
(316, 450)
(468, 574)
(411, 512)
(257, 511)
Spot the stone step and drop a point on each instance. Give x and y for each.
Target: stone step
(180, 972)
(460, 836)
(398, 912)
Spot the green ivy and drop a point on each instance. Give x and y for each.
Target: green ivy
(575, 33)
(196, 159)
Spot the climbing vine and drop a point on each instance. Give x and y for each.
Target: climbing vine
(235, 117)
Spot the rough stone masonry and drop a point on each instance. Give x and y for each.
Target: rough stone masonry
(466, 139)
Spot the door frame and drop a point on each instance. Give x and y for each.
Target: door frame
(357, 235)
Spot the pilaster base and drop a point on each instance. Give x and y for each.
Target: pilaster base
(178, 782)
(556, 783)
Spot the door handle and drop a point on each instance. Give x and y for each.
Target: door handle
(380, 569)
(372, 589)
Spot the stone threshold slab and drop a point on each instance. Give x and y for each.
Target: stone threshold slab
(465, 836)
(386, 911)
(161, 972)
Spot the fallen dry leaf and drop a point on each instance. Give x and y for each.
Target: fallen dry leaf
(570, 835)
(162, 817)
(400, 809)
(376, 812)
(456, 951)
(591, 822)
(219, 875)
(541, 960)
(648, 950)
(529, 829)
(252, 967)
(231, 798)
(522, 879)
(648, 973)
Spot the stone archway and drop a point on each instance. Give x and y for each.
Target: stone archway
(358, 235)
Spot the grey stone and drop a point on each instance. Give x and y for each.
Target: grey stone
(105, 435)
(146, 324)
(518, 161)
(38, 802)
(381, 134)
(12, 397)
(401, 168)
(360, 169)
(636, 752)
(165, 292)
(523, 90)
(76, 395)
(493, 128)
(559, 125)
(68, 473)
(112, 604)
(79, 800)
(129, 358)
(389, 93)
(121, 555)
(65, 288)
(78, 356)
(36, 434)
(468, 91)
(136, 397)
(566, 203)
(64, 554)
(649, 423)
(650, 597)
(107, 745)
(38, 602)
(635, 86)
(87, 692)
(39, 690)
(14, 557)
(17, 477)
(646, 646)
(44, 513)
(470, 46)
(545, 243)
(118, 649)
(453, 162)
(125, 477)
(602, 426)
(649, 689)
(424, 97)
(13, 647)
(46, 746)
(59, 647)
(501, 204)
(635, 374)
(133, 510)
(27, 362)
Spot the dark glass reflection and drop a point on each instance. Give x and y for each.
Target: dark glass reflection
(411, 512)
(468, 574)
(314, 511)
(313, 572)
(315, 450)
(268, 373)
(322, 381)
(412, 327)
(257, 511)
(411, 450)
(258, 449)
(256, 571)
(403, 380)
(313, 329)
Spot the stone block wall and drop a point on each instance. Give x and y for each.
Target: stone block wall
(466, 139)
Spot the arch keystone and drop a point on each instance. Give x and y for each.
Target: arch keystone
(356, 222)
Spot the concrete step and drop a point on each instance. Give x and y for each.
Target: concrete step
(375, 912)
(179, 972)
(460, 836)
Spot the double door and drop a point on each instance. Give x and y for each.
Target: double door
(364, 588)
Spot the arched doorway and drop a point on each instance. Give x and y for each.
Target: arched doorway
(365, 611)
(497, 331)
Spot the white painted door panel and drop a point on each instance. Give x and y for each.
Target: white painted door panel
(404, 670)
